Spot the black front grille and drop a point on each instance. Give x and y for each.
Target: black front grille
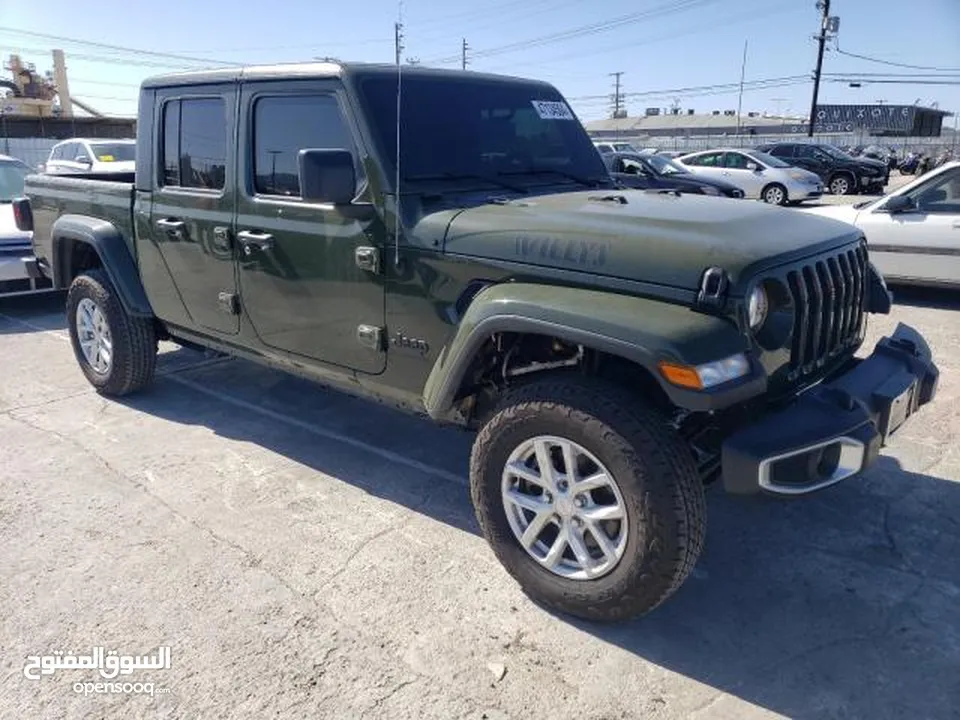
(828, 299)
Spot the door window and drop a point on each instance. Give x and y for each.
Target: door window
(194, 148)
(705, 160)
(736, 161)
(786, 151)
(285, 125)
(940, 196)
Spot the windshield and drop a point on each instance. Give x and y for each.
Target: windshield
(624, 147)
(114, 151)
(768, 160)
(12, 175)
(664, 165)
(478, 130)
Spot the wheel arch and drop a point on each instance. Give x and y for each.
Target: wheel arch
(625, 333)
(81, 242)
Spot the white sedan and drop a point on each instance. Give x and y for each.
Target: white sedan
(913, 233)
(759, 175)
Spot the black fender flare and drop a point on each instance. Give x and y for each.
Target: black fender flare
(642, 330)
(114, 253)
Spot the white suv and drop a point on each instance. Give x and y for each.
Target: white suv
(81, 155)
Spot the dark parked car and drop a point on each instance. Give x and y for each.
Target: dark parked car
(843, 174)
(658, 172)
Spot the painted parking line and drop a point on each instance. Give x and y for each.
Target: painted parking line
(310, 427)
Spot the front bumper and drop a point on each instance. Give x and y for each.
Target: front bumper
(834, 430)
(805, 191)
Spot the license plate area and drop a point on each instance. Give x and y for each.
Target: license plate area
(896, 400)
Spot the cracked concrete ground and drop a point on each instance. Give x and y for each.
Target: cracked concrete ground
(304, 554)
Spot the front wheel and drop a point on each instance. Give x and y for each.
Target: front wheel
(116, 352)
(841, 185)
(775, 194)
(587, 498)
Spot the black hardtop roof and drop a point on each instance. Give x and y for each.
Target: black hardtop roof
(317, 70)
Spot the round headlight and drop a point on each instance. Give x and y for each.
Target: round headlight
(757, 307)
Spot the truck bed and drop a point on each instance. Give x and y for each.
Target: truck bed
(53, 196)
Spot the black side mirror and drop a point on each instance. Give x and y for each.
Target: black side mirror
(83, 160)
(327, 176)
(899, 204)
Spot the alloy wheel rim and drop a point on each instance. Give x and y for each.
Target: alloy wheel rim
(564, 508)
(94, 337)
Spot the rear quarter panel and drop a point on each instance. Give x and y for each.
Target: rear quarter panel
(52, 197)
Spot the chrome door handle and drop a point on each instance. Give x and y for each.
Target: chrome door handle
(249, 239)
(170, 225)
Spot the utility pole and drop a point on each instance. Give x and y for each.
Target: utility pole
(398, 39)
(617, 96)
(743, 71)
(824, 7)
(463, 53)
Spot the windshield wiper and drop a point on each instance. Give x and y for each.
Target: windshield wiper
(493, 180)
(594, 182)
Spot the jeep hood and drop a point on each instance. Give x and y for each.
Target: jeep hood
(662, 239)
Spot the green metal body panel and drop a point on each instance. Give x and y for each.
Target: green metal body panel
(621, 274)
(659, 239)
(52, 197)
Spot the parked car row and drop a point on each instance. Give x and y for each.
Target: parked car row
(786, 173)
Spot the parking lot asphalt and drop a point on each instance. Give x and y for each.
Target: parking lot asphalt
(305, 554)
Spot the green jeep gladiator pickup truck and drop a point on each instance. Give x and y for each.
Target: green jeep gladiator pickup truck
(454, 246)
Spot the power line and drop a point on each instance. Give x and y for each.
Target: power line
(731, 20)
(750, 84)
(895, 64)
(118, 48)
(107, 59)
(583, 30)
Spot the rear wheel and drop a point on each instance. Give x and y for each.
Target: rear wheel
(590, 501)
(116, 352)
(775, 194)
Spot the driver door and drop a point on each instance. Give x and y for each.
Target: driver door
(307, 280)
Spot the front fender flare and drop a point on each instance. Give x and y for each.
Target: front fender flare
(641, 330)
(109, 244)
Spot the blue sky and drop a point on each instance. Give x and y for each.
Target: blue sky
(660, 45)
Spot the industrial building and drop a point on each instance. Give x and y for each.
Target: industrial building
(865, 120)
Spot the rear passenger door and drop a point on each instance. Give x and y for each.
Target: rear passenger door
(305, 287)
(194, 203)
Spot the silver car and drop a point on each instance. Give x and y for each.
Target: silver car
(759, 175)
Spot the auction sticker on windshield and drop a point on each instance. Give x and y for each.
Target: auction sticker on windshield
(551, 110)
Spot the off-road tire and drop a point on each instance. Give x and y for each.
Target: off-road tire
(775, 194)
(653, 468)
(134, 339)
